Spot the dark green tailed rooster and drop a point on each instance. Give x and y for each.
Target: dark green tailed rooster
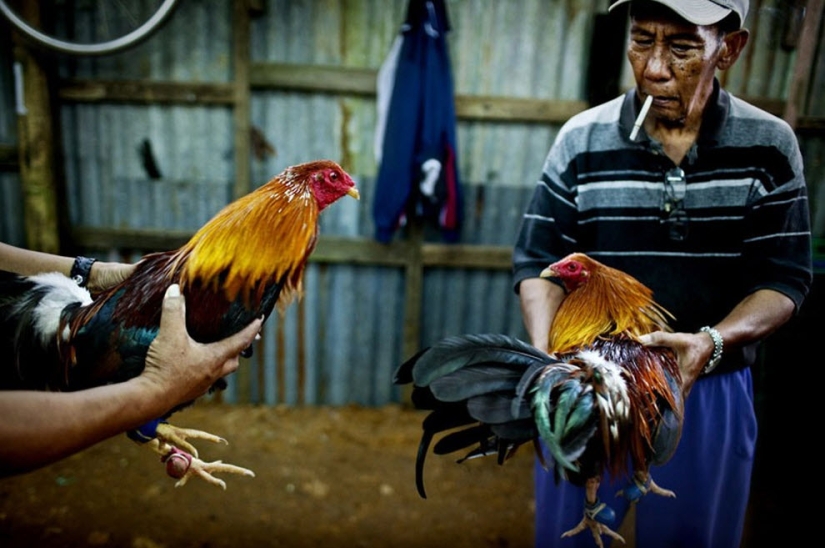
(601, 401)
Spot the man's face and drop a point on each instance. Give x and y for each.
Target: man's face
(675, 62)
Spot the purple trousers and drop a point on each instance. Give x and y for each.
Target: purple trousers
(710, 474)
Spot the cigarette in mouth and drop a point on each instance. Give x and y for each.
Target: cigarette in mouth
(641, 118)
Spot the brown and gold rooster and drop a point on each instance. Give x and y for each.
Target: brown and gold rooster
(601, 401)
(248, 259)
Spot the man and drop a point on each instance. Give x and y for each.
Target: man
(706, 205)
(39, 428)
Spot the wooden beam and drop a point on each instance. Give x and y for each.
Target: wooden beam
(318, 78)
(330, 249)
(516, 110)
(342, 80)
(356, 81)
(134, 91)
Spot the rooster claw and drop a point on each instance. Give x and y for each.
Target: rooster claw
(182, 466)
(640, 486)
(596, 517)
(176, 436)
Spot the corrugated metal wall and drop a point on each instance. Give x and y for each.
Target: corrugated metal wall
(341, 343)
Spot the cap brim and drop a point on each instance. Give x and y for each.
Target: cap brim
(698, 12)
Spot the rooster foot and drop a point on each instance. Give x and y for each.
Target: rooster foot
(642, 484)
(596, 517)
(176, 436)
(182, 466)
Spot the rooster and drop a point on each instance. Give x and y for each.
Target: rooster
(248, 259)
(601, 401)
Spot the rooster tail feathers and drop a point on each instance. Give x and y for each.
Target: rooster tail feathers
(564, 416)
(423, 448)
(33, 313)
(665, 438)
(457, 352)
(470, 382)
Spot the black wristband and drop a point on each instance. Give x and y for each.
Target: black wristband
(81, 269)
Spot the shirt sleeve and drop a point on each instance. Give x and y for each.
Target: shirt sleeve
(777, 241)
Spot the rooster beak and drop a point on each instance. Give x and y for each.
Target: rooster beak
(354, 193)
(548, 273)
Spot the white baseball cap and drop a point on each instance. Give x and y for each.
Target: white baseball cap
(702, 12)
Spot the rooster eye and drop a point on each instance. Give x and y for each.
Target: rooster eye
(333, 175)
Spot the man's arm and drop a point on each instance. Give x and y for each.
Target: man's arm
(39, 428)
(28, 263)
(754, 318)
(540, 299)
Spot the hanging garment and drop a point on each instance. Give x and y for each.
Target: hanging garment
(415, 143)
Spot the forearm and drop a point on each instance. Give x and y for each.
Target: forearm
(27, 262)
(539, 299)
(755, 317)
(39, 428)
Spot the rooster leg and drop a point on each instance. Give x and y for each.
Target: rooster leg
(176, 436)
(596, 515)
(641, 485)
(182, 466)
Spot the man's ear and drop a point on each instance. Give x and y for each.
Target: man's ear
(732, 45)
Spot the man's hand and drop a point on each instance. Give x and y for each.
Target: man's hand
(181, 369)
(693, 350)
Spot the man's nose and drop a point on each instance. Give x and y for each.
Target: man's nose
(657, 66)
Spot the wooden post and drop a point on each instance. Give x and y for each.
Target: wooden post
(36, 144)
(241, 114)
(413, 296)
(806, 51)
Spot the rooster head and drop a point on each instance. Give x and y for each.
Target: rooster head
(326, 180)
(573, 271)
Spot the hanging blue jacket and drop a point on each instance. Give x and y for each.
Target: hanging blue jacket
(418, 171)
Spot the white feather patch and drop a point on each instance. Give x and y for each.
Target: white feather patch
(61, 292)
(613, 378)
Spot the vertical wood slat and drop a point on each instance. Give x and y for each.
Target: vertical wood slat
(413, 297)
(241, 57)
(798, 92)
(36, 145)
(241, 115)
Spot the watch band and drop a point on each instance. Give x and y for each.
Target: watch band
(81, 269)
(718, 347)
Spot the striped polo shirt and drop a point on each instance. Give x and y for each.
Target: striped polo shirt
(737, 221)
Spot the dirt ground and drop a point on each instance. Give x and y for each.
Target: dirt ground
(331, 477)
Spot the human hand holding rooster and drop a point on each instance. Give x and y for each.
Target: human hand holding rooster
(693, 350)
(180, 369)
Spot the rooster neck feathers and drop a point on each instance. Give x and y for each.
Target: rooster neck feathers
(284, 213)
(226, 252)
(600, 302)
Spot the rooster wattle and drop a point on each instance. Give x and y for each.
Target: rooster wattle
(601, 401)
(248, 259)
